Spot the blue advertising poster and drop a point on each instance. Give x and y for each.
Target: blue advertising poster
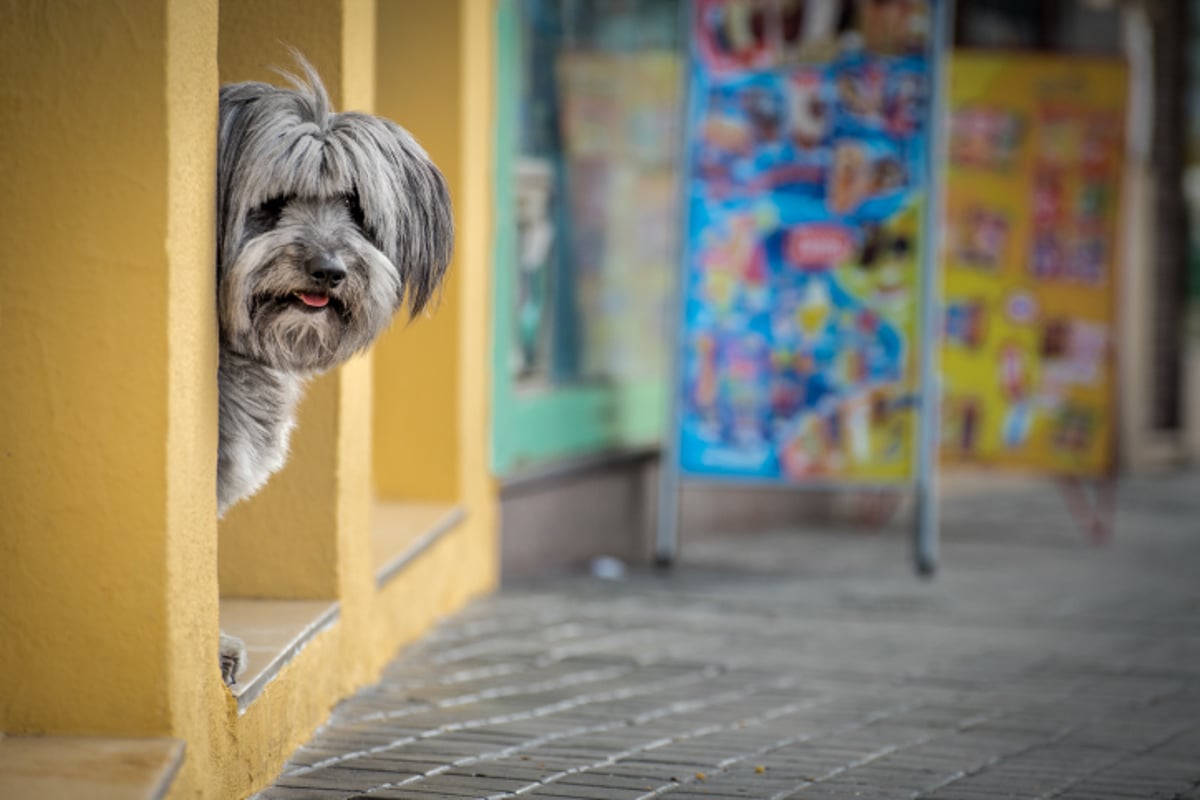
(806, 181)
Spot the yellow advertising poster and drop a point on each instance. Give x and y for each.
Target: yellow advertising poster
(1031, 262)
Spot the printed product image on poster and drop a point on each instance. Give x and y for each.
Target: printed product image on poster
(805, 188)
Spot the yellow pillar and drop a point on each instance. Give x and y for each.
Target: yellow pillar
(476, 203)
(432, 377)
(107, 484)
(201, 707)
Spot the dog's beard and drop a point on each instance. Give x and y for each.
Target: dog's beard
(272, 310)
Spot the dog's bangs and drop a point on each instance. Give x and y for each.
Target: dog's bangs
(362, 155)
(300, 162)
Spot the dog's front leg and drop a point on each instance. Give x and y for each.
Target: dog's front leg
(233, 658)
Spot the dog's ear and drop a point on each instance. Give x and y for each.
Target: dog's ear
(406, 204)
(430, 258)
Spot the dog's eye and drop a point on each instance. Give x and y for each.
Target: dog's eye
(354, 209)
(266, 216)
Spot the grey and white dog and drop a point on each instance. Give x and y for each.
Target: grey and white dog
(327, 225)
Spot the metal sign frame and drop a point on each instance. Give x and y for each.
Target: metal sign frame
(924, 483)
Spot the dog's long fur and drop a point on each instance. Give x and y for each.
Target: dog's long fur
(297, 181)
(327, 225)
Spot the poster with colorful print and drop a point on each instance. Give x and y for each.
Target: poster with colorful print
(1032, 188)
(806, 181)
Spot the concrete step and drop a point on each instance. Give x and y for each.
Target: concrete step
(74, 767)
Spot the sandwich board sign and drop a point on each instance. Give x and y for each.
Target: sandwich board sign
(806, 317)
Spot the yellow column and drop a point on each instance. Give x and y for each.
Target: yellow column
(432, 377)
(476, 203)
(107, 575)
(201, 707)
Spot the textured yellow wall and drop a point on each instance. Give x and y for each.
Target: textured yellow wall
(84, 317)
(417, 435)
(432, 376)
(201, 707)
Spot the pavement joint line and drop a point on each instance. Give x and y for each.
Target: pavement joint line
(703, 730)
(993, 760)
(506, 645)
(1121, 757)
(541, 711)
(555, 777)
(1058, 736)
(473, 630)
(678, 707)
(478, 673)
(574, 679)
(882, 752)
(724, 765)
(461, 676)
(531, 621)
(563, 631)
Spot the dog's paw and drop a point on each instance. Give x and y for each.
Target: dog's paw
(233, 658)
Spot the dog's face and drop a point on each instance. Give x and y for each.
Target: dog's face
(327, 224)
(307, 287)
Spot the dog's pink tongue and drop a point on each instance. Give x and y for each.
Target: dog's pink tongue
(314, 300)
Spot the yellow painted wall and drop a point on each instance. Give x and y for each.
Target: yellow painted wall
(416, 390)
(109, 543)
(432, 377)
(84, 226)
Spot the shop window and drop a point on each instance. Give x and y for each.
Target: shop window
(589, 110)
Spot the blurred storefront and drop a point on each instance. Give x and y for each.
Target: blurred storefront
(589, 135)
(590, 103)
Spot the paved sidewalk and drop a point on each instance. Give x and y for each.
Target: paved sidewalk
(812, 665)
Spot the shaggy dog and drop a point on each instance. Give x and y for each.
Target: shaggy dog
(327, 224)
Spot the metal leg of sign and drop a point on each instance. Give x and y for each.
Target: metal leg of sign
(925, 550)
(666, 541)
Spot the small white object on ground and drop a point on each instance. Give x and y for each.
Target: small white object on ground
(607, 568)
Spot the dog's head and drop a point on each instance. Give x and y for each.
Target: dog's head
(327, 224)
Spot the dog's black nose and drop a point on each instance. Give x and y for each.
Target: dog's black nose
(326, 270)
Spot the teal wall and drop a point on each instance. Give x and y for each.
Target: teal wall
(533, 426)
